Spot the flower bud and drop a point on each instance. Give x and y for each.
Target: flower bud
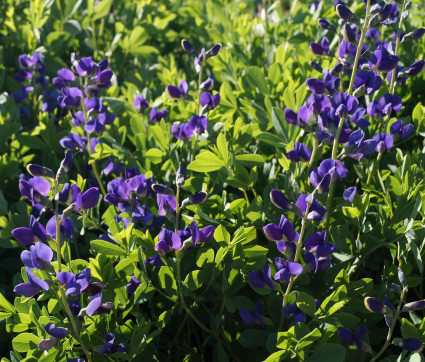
(180, 176)
(198, 198)
(349, 34)
(373, 305)
(161, 189)
(212, 52)
(345, 14)
(394, 287)
(279, 200)
(325, 24)
(410, 344)
(418, 305)
(414, 35)
(258, 30)
(37, 170)
(187, 46)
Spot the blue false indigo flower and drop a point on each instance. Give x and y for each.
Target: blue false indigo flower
(416, 68)
(373, 305)
(285, 269)
(417, 305)
(384, 141)
(35, 190)
(39, 257)
(358, 147)
(96, 307)
(357, 118)
(413, 345)
(166, 204)
(347, 51)
(299, 153)
(377, 8)
(90, 198)
(140, 104)
(297, 314)
(180, 92)
(367, 81)
(75, 307)
(402, 277)
(199, 60)
(349, 193)
(198, 123)
(33, 286)
(132, 285)
(37, 170)
(188, 47)
(316, 263)
(414, 35)
(327, 171)
(304, 117)
(111, 166)
(349, 34)
(279, 200)
(208, 84)
(381, 60)
(66, 163)
(345, 14)
(180, 176)
(162, 189)
(56, 334)
(316, 243)
(316, 66)
(400, 132)
(70, 98)
(156, 116)
(154, 260)
(317, 103)
(261, 279)
(348, 337)
(214, 50)
(25, 61)
(394, 287)
(316, 212)
(325, 24)
(252, 317)
(167, 240)
(344, 101)
(198, 198)
(285, 231)
(66, 229)
(322, 48)
(110, 346)
(287, 247)
(27, 236)
(317, 86)
(182, 132)
(210, 101)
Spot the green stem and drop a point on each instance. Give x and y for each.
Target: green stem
(198, 101)
(359, 48)
(96, 173)
(391, 330)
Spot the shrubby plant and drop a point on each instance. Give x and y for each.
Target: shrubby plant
(260, 198)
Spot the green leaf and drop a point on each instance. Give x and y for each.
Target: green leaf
(165, 317)
(205, 258)
(25, 342)
(256, 78)
(359, 287)
(102, 9)
(253, 338)
(206, 162)
(408, 330)
(6, 305)
(160, 137)
(107, 248)
(352, 212)
(196, 278)
(306, 303)
(250, 160)
(310, 338)
(271, 139)
(222, 147)
(167, 280)
(155, 155)
(289, 99)
(222, 236)
(329, 352)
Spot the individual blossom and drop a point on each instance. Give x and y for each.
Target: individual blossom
(96, 307)
(358, 147)
(367, 81)
(140, 104)
(166, 204)
(288, 248)
(384, 141)
(39, 257)
(299, 153)
(253, 317)
(27, 236)
(416, 68)
(382, 61)
(110, 346)
(353, 339)
(156, 116)
(132, 285)
(413, 345)
(33, 286)
(315, 263)
(56, 333)
(209, 101)
(285, 231)
(327, 171)
(373, 305)
(315, 243)
(279, 200)
(316, 212)
(349, 193)
(322, 48)
(66, 228)
(400, 132)
(180, 92)
(167, 240)
(75, 284)
(388, 104)
(286, 269)
(297, 314)
(417, 305)
(261, 279)
(154, 261)
(35, 189)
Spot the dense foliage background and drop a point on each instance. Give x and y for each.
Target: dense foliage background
(261, 69)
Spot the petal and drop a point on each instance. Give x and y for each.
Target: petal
(26, 289)
(24, 236)
(48, 343)
(94, 304)
(90, 198)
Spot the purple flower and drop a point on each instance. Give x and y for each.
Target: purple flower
(39, 257)
(374, 305)
(327, 171)
(304, 117)
(167, 240)
(384, 141)
(261, 279)
(349, 193)
(413, 345)
(33, 286)
(56, 333)
(132, 285)
(382, 60)
(285, 269)
(166, 204)
(296, 313)
(210, 101)
(156, 116)
(75, 307)
(350, 338)
(287, 247)
(316, 263)
(110, 346)
(66, 228)
(35, 190)
(154, 260)
(208, 84)
(316, 243)
(400, 132)
(358, 147)
(322, 48)
(140, 104)
(27, 236)
(346, 14)
(96, 307)
(285, 231)
(180, 92)
(299, 153)
(368, 81)
(316, 212)
(349, 34)
(416, 68)
(252, 317)
(417, 305)
(279, 200)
